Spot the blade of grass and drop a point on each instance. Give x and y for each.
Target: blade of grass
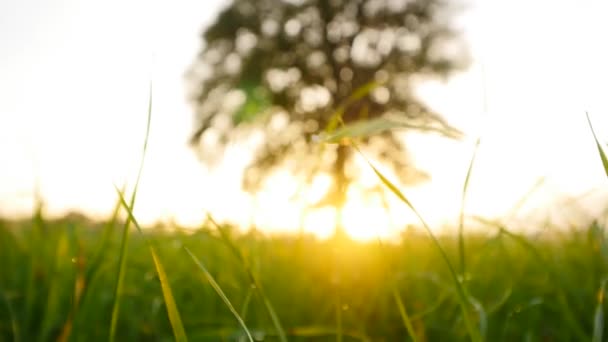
(220, 292)
(359, 93)
(174, 317)
(405, 317)
(462, 296)
(176, 323)
(94, 267)
(562, 299)
(273, 316)
(252, 278)
(303, 333)
(338, 320)
(122, 261)
(483, 316)
(598, 318)
(37, 255)
(561, 294)
(598, 321)
(599, 146)
(365, 128)
(403, 313)
(102, 247)
(465, 187)
(492, 308)
(53, 297)
(433, 307)
(520, 203)
(369, 127)
(125, 235)
(319, 331)
(245, 308)
(77, 283)
(11, 315)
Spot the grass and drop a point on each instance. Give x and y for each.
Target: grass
(125, 236)
(522, 297)
(465, 300)
(462, 296)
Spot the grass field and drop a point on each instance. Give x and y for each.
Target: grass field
(55, 287)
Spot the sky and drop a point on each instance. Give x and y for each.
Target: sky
(74, 87)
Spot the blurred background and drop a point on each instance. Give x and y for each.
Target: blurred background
(74, 88)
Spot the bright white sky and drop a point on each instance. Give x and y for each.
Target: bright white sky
(73, 98)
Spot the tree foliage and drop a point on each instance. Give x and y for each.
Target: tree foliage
(278, 69)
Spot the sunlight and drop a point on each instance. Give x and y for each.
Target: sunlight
(320, 222)
(364, 221)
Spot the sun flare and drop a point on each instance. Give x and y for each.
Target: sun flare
(365, 222)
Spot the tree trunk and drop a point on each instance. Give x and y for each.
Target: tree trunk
(341, 185)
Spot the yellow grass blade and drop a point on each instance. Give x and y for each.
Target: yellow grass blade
(174, 318)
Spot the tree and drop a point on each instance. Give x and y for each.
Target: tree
(278, 69)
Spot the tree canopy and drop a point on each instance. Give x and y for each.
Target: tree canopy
(278, 69)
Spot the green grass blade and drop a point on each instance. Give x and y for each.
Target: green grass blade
(94, 267)
(441, 298)
(53, 297)
(338, 321)
(404, 316)
(125, 236)
(462, 297)
(598, 321)
(11, 313)
(245, 308)
(501, 301)
(570, 319)
(102, 247)
(368, 127)
(359, 93)
(37, 255)
(465, 187)
(598, 317)
(310, 332)
(220, 293)
(599, 146)
(359, 129)
(174, 317)
(520, 203)
(254, 281)
(483, 316)
(273, 316)
(118, 286)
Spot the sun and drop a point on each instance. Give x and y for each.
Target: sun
(366, 216)
(364, 222)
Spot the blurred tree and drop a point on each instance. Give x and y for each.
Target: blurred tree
(278, 69)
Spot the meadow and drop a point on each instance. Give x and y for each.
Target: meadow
(73, 279)
(58, 279)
